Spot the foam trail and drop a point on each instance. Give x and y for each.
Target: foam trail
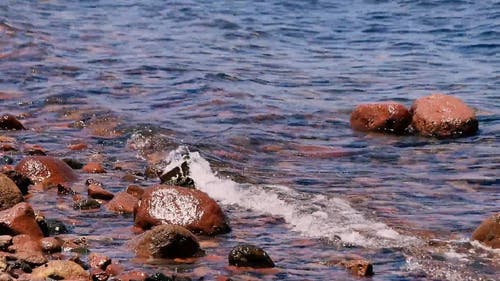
(314, 216)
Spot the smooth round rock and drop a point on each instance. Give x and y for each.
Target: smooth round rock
(48, 170)
(10, 194)
(249, 256)
(386, 117)
(488, 232)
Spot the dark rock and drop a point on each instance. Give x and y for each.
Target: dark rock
(10, 194)
(386, 117)
(488, 232)
(249, 256)
(20, 180)
(10, 122)
(361, 268)
(97, 274)
(19, 219)
(167, 241)
(191, 208)
(60, 269)
(73, 163)
(178, 176)
(64, 190)
(443, 116)
(6, 160)
(122, 203)
(158, 277)
(47, 170)
(86, 204)
(5, 242)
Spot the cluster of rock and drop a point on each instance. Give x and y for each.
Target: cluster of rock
(436, 115)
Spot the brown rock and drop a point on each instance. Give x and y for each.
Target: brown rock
(361, 268)
(60, 269)
(167, 241)
(387, 117)
(10, 122)
(27, 249)
(488, 232)
(97, 274)
(19, 219)
(249, 256)
(78, 146)
(10, 194)
(191, 208)
(132, 276)
(122, 203)
(51, 244)
(49, 171)
(135, 191)
(96, 191)
(114, 269)
(94, 168)
(100, 261)
(443, 116)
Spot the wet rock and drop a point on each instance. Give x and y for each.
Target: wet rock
(96, 191)
(20, 180)
(122, 203)
(386, 117)
(488, 232)
(78, 146)
(94, 168)
(5, 242)
(51, 227)
(73, 163)
(114, 269)
(361, 268)
(10, 194)
(97, 274)
(65, 190)
(86, 204)
(135, 191)
(19, 219)
(100, 261)
(135, 275)
(60, 269)
(27, 249)
(6, 160)
(76, 245)
(249, 256)
(167, 241)
(47, 170)
(51, 244)
(443, 116)
(193, 209)
(35, 150)
(178, 176)
(10, 122)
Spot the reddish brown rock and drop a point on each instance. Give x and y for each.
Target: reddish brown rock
(443, 116)
(97, 274)
(386, 117)
(27, 249)
(488, 232)
(114, 269)
(135, 191)
(94, 168)
(10, 122)
(135, 275)
(100, 261)
(60, 269)
(122, 203)
(167, 241)
(10, 194)
(361, 268)
(51, 244)
(47, 170)
(78, 146)
(96, 191)
(19, 219)
(191, 208)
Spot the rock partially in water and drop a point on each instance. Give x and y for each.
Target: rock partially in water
(59, 270)
(96, 191)
(47, 170)
(73, 163)
(20, 180)
(167, 241)
(488, 232)
(122, 203)
(178, 176)
(10, 122)
(10, 194)
(100, 261)
(94, 168)
(27, 249)
(51, 227)
(443, 116)
(193, 209)
(135, 191)
(249, 256)
(19, 219)
(386, 117)
(358, 267)
(86, 204)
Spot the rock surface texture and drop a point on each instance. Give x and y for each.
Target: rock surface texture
(386, 117)
(10, 194)
(488, 232)
(167, 241)
(19, 219)
(249, 256)
(49, 171)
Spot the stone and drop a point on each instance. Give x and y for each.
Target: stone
(249, 256)
(135, 191)
(5, 242)
(97, 274)
(10, 194)
(488, 232)
(361, 268)
(27, 249)
(51, 227)
(443, 116)
(60, 269)
(73, 163)
(20, 180)
(178, 176)
(167, 241)
(86, 204)
(94, 168)
(96, 191)
(191, 208)
(51, 244)
(19, 219)
(114, 269)
(122, 203)
(100, 261)
(385, 117)
(47, 170)
(134, 275)
(10, 122)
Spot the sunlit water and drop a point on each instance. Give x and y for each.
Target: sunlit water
(259, 93)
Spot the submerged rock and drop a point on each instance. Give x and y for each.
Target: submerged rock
(386, 117)
(19, 219)
(443, 116)
(10, 122)
(167, 241)
(47, 170)
(249, 256)
(58, 270)
(10, 194)
(193, 209)
(488, 232)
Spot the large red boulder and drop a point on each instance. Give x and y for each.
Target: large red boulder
(443, 116)
(19, 219)
(191, 208)
(386, 117)
(47, 170)
(167, 241)
(488, 232)
(10, 194)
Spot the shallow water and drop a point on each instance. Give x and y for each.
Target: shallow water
(260, 93)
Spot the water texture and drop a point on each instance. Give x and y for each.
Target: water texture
(258, 94)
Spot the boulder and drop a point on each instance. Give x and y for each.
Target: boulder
(488, 232)
(191, 208)
(167, 241)
(60, 269)
(10, 122)
(443, 116)
(386, 117)
(47, 170)
(27, 249)
(249, 256)
(122, 203)
(19, 219)
(10, 194)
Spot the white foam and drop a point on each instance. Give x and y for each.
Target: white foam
(312, 215)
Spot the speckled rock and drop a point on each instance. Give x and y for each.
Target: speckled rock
(167, 241)
(60, 269)
(47, 170)
(10, 122)
(488, 232)
(443, 116)
(361, 268)
(386, 117)
(10, 194)
(100, 261)
(19, 219)
(249, 256)
(193, 209)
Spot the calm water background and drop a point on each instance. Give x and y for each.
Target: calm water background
(263, 91)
